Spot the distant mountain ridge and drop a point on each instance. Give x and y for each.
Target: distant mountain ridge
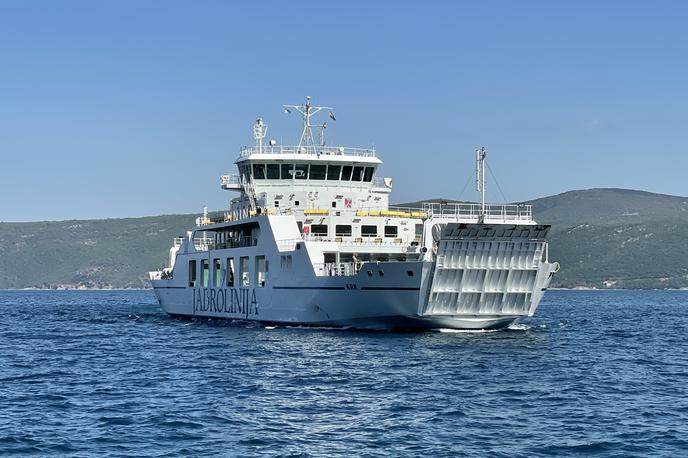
(603, 238)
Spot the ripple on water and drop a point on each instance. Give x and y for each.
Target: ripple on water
(107, 373)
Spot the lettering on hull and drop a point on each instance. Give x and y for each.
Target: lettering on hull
(231, 302)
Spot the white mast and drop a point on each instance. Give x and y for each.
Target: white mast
(308, 110)
(480, 176)
(259, 131)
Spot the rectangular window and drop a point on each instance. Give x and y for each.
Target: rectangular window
(301, 171)
(204, 273)
(258, 171)
(346, 172)
(277, 204)
(367, 175)
(230, 272)
(243, 268)
(287, 171)
(358, 174)
(217, 273)
(342, 230)
(368, 231)
(285, 261)
(319, 230)
(318, 171)
(273, 172)
(261, 271)
(333, 172)
(192, 273)
(391, 231)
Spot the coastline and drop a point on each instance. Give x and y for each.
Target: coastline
(577, 288)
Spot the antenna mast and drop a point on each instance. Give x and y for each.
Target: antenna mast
(259, 131)
(480, 176)
(308, 110)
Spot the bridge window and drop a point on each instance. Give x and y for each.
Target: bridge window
(319, 230)
(192, 273)
(217, 272)
(333, 172)
(204, 273)
(346, 172)
(273, 171)
(301, 171)
(318, 171)
(358, 174)
(368, 231)
(258, 171)
(287, 171)
(368, 174)
(343, 230)
(230, 272)
(391, 231)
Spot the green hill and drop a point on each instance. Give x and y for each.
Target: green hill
(617, 238)
(601, 237)
(91, 253)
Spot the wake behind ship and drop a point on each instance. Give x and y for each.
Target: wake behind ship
(311, 240)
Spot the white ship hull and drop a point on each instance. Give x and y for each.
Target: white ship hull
(465, 287)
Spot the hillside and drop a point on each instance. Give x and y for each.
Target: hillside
(90, 253)
(601, 237)
(617, 238)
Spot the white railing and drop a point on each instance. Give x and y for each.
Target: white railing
(493, 212)
(287, 245)
(247, 151)
(227, 180)
(208, 244)
(379, 182)
(335, 269)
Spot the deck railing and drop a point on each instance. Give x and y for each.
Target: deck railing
(227, 180)
(318, 150)
(493, 212)
(336, 269)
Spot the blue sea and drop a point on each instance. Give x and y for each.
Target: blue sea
(108, 373)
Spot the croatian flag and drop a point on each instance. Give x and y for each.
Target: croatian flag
(347, 202)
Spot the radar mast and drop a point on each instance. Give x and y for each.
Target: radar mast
(307, 111)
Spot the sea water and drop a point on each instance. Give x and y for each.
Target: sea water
(601, 373)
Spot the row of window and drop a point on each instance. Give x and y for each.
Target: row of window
(312, 172)
(227, 274)
(345, 230)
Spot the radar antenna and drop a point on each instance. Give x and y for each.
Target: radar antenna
(308, 110)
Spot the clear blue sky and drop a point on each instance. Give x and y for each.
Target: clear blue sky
(129, 108)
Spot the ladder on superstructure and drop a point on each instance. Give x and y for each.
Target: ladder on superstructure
(250, 192)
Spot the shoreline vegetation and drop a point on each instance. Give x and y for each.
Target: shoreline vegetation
(604, 239)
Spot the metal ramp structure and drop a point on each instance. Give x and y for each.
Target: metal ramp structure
(488, 270)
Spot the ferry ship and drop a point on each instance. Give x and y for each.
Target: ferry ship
(311, 240)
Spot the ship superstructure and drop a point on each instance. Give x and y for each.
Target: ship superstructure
(311, 239)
